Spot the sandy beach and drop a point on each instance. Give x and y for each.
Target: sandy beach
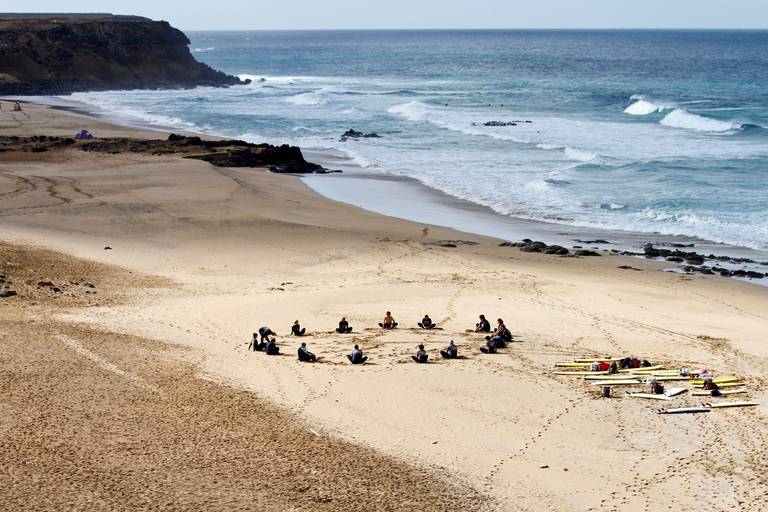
(142, 395)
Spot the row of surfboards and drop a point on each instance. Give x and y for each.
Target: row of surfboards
(635, 376)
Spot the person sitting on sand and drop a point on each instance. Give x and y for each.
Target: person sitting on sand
(484, 325)
(357, 357)
(306, 355)
(272, 349)
(17, 107)
(498, 342)
(450, 352)
(389, 322)
(255, 343)
(296, 330)
(344, 327)
(421, 356)
(266, 332)
(490, 346)
(426, 323)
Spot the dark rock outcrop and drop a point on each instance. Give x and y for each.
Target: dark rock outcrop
(352, 134)
(64, 53)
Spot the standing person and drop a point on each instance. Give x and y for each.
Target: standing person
(357, 357)
(389, 322)
(265, 333)
(450, 352)
(296, 330)
(306, 355)
(426, 323)
(344, 327)
(272, 349)
(483, 326)
(421, 355)
(255, 343)
(490, 346)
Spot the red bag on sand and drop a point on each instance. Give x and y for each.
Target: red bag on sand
(604, 366)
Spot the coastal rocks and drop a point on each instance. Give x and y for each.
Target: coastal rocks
(5, 292)
(451, 243)
(528, 245)
(51, 55)
(352, 134)
(586, 252)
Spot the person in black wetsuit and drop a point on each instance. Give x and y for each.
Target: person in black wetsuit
(344, 327)
(265, 333)
(450, 352)
(306, 355)
(483, 325)
(357, 357)
(272, 349)
(255, 345)
(490, 346)
(426, 323)
(296, 330)
(421, 356)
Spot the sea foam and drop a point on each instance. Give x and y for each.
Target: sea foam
(680, 118)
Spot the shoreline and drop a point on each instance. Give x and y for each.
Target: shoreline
(227, 250)
(417, 202)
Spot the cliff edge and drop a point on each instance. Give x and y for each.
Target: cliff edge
(45, 54)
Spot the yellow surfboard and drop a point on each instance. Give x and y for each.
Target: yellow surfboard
(724, 380)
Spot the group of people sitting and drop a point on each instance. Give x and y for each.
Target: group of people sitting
(501, 336)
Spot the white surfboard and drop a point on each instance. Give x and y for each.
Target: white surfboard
(683, 410)
(646, 369)
(616, 383)
(650, 396)
(675, 391)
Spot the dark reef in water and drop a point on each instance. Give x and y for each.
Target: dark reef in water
(51, 54)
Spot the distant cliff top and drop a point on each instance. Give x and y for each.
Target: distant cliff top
(43, 54)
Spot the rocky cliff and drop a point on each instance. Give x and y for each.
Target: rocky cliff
(60, 54)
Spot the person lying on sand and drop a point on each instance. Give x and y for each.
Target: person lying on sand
(450, 352)
(266, 332)
(272, 349)
(344, 327)
(357, 357)
(296, 330)
(421, 356)
(426, 323)
(306, 355)
(490, 346)
(255, 343)
(389, 322)
(483, 326)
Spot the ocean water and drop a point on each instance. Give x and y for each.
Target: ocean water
(658, 132)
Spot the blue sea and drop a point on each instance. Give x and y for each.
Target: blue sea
(645, 132)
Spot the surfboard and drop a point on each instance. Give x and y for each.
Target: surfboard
(682, 410)
(572, 364)
(602, 360)
(663, 373)
(649, 395)
(726, 385)
(646, 369)
(731, 404)
(665, 379)
(607, 377)
(616, 383)
(723, 380)
(708, 392)
(675, 391)
(581, 373)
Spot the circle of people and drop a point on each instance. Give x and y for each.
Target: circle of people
(265, 338)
